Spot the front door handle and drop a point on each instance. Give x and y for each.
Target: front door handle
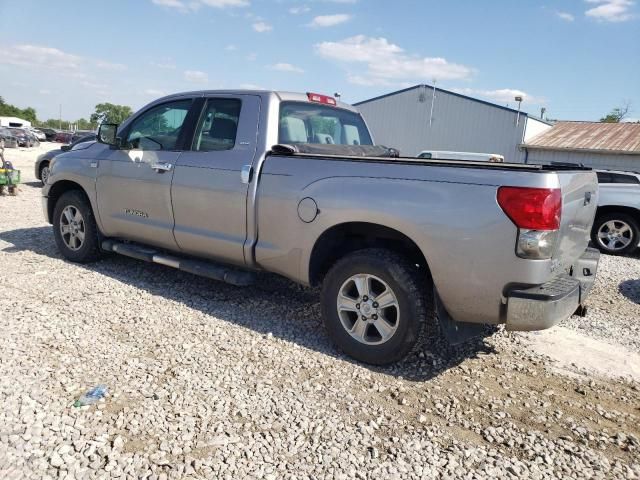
(161, 167)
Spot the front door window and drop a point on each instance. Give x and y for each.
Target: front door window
(159, 128)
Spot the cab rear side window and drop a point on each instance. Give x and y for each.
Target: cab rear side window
(218, 125)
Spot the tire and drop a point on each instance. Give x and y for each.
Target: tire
(405, 321)
(85, 248)
(615, 233)
(44, 174)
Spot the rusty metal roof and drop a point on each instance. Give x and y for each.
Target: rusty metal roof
(590, 136)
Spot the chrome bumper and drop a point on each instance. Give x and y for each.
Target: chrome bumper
(543, 306)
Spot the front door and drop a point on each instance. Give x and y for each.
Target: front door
(209, 196)
(134, 182)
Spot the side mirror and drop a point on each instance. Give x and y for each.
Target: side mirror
(107, 134)
(65, 148)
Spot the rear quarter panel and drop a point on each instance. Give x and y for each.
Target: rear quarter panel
(450, 213)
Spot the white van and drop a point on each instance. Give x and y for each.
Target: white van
(476, 157)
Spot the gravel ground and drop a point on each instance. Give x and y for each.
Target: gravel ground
(212, 381)
(614, 304)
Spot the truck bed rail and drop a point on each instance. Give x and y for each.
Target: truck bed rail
(293, 151)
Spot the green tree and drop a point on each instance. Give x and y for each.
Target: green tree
(51, 123)
(8, 110)
(617, 114)
(29, 114)
(84, 124)
(110, 113)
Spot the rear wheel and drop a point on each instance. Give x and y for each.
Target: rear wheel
(375, 305)
(616, 233)
(75, 229)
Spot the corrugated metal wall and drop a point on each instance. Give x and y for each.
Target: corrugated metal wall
(458, 124)
(608, 162)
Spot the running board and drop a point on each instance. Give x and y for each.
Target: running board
(203, 268)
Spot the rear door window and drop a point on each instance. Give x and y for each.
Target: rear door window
(621, 178)
(608, 177)
(218, 126)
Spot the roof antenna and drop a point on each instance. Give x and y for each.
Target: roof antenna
(433, 101)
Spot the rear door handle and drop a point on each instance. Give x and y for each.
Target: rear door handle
(161, 167)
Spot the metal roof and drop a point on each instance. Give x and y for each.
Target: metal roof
(449, 92)
(621, 138)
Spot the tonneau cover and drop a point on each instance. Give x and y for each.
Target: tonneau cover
(340, 150)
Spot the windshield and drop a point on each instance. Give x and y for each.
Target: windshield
(302, 122)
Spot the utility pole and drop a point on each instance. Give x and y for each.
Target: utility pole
(433, 101)
(519, 100)
(60, 122)
(542, 112)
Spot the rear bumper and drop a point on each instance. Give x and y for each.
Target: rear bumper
(543, 306)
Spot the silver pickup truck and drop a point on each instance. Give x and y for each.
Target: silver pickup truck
(228, 183)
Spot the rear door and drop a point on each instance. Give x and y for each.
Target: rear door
(209, 196)
(134, 182)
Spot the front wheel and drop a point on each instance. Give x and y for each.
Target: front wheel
(44, 174)
(615, 233)
(75, 229)
(375, 305)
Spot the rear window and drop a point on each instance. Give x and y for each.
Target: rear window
(313, 123)
(607, 177)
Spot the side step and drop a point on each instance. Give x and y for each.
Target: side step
(203, 268)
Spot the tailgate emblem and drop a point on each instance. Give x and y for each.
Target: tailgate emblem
(587, 198)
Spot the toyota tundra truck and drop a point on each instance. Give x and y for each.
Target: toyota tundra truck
(226, 184)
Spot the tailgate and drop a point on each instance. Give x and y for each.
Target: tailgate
(579, 203)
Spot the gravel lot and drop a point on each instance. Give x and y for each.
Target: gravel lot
(212, 381)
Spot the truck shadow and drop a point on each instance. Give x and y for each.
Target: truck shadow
(274, 306)
(630, 289)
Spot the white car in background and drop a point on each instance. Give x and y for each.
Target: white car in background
(616, 229)
(38, 134)
(470, 156)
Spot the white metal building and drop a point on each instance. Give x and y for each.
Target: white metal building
(14, 122)
(611, 146)
(427, 118)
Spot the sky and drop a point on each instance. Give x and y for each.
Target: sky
(576, 58)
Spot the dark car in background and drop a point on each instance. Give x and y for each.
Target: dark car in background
(24, 137)
(10, 140)
(79, 134)
(44, 161)
(50, 133)
(63, 137)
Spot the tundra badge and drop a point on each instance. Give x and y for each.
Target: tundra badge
(137, 213)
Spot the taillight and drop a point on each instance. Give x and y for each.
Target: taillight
(536, 213)
(532, 208)
(318, 98)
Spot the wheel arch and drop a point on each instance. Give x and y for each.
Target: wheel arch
(43, 163)
(58, 189)
(343, 238)
(609, 209)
